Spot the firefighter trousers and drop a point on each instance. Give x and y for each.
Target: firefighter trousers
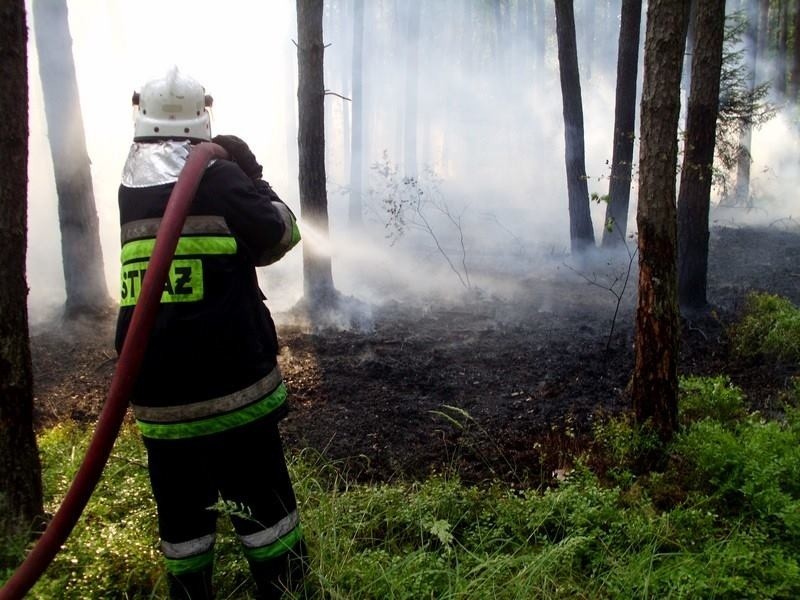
(240, 472)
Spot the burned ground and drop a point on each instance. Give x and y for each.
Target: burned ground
(486, 387)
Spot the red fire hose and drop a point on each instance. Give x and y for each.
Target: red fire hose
(130, 361)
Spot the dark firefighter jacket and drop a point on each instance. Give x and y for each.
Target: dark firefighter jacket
(210, 362)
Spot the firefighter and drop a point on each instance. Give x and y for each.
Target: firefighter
(210, 394)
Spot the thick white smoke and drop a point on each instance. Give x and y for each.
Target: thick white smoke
(490, 128)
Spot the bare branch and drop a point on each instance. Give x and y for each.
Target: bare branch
(330, 93)
(611, 288)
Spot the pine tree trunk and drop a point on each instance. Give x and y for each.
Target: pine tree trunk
(581, 233)
(318, 278)
(794, 84)
(357, 143)
(20, 471)
(783, 44)
(82, 256)
(654, 387)
(701, 127)
(615, 232)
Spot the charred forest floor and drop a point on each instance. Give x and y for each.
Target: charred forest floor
(486, 387)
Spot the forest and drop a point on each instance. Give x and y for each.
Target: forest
(541, 336)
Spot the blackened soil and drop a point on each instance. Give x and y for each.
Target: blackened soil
(486, 387)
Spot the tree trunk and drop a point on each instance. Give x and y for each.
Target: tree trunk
(317, 275)
(783, 44)
(698, 156)
(794, 88)
(654, 387)
(412, 9)
(741, 191)
(20, 472)
(357, 143)
(82, 256)
(581, 233)
(619, 192)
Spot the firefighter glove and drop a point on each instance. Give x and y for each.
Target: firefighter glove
(240, 154)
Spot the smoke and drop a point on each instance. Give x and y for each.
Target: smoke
(775, 178)
(489, 131)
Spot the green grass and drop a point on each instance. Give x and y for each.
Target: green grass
(721, 521)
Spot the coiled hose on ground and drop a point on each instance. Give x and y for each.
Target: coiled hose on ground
(130, 361)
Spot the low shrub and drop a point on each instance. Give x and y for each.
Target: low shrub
(750, 472)
(770, 327)
(710, 398)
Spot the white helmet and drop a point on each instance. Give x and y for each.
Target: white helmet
(172, 107)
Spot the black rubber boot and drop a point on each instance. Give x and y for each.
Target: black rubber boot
(191, 586)
(278, 575)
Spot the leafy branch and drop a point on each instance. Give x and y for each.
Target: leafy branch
(407, 204)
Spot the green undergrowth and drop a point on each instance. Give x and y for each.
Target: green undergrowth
(770, 328)
(721, 520)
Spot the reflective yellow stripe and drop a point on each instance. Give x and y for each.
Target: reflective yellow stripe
(191, 564)
(181, 413)
(143, 249)
(282, 546)
(295, 235)
(216, 424)
(270, 535)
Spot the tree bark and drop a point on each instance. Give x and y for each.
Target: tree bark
(357, 142)
(698, 156)
(654, 387)
(581, 232)
(794, 84)
(82, 256)
(619, 192)
(318, 278)
(783, 45)
(20, 471)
